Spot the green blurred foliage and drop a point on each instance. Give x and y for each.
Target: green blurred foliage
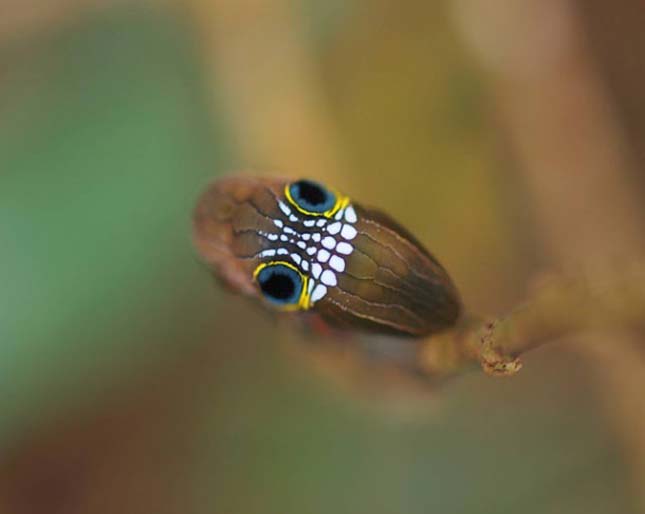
(105, 141)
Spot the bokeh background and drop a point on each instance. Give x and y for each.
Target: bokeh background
(509, 135)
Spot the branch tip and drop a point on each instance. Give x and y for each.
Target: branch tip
(493, 361)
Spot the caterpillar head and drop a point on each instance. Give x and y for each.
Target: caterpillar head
(300, 247)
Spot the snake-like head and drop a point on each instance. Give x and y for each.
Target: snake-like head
(299, 247)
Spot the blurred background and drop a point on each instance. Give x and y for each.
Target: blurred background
(509, 135)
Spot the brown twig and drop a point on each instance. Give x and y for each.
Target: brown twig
(599, 300)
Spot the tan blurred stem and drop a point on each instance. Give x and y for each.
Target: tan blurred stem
(257, 56)
(560, 119)
(571, 149)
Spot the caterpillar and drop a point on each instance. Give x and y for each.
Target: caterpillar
(308, 250)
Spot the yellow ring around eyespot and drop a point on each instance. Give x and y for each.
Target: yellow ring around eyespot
(304, 302)
(341, 203)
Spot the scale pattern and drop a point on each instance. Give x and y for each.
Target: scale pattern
(319, 247)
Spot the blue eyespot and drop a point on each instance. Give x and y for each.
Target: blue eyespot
(311, 197)
(281, 284)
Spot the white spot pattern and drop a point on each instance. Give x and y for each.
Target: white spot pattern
(337, 263)
(323, 250)
(344, 248)
(329, 243)
(285, 208)
(323, 256)
(335, 228)
(350, 215)
(349, 232)
(329, 278)
(319, 293)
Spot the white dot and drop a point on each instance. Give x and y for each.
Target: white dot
(310, 223)
(278, 223)
(319, 293)
(329, 278)
(312, 284)
(284, 238)
(305, 266)
(349, 232)
(350, 215)
(323, 256)
(339, 215)
(284, 208)
(344, 248)
(337, 263)
(272, 237)
(293, 219)
(288, 230)
(321, 223)
(334, 228)
(306, 237)
(296, 258)
(316, 270)
(329, 243)
(267, 253)
(317, 238)
(282, 251)
(301, 245)
(311, 250)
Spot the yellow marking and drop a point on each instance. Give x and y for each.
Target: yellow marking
(304, 302)
(341, 203)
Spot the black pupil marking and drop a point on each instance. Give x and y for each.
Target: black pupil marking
(311, 196)
(311, 192)
(280, 284)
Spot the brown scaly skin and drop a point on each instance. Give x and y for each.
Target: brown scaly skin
(391, 284)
